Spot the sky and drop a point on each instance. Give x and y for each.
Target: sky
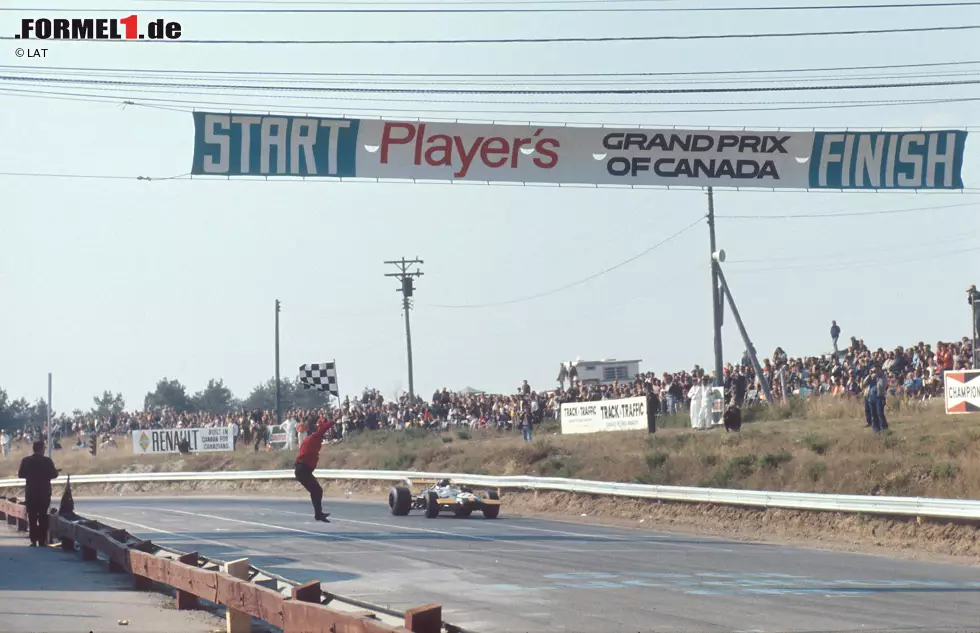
(113, 284)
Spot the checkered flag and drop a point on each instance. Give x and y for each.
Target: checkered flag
(320, 376)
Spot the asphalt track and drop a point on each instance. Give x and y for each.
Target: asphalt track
(523, 575)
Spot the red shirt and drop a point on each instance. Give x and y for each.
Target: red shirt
(309, 450)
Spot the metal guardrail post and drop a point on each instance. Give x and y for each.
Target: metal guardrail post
(238, 621)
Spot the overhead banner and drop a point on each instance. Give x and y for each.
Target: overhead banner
(311, 147)
(962, 391)
(205, 440)
(625, 414)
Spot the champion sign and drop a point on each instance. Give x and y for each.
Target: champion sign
(962, 391)
(310, 147)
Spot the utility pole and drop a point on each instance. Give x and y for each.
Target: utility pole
(974, 298)
(745, 338)
(50, 437)
(278, 407)
(407, 289)
(717, 308)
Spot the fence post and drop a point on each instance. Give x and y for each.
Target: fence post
(237, 621)
(187, 601)
(310, 592)
(140, 583)
(427, 619)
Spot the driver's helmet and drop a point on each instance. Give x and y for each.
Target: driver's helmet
(443, 483)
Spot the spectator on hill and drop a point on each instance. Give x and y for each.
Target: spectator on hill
(4, 444)
(732, 419)
(834, 335)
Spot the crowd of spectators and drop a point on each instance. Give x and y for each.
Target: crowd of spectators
(915, 372)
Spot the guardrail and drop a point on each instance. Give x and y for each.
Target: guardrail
(893, 506)
(246, 591)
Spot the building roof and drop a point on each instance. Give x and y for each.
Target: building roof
(607, 361)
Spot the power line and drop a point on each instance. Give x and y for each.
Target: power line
(846, 265)
(188, 105)
(966, 191)
(21, 174)
(548, 40)
(604, 9)
(825, 256)
(493, 75)
(846, 214)
(580, 281)
(245, 81)
(521, 91)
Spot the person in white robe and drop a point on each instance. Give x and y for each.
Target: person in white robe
(700, 405)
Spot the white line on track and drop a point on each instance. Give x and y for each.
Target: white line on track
(183, 537)
(324, 535)
(649, 540)
(558, 548)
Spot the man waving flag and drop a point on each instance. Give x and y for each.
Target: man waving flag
(309, 455)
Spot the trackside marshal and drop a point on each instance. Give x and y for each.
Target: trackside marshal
(627, 414)
(211, 440)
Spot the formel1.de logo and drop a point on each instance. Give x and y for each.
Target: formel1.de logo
(128, 28)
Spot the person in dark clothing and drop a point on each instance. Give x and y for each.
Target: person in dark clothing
(38, 470)
(653, 408)
(835, 334)
(733, 419)
(306, 461)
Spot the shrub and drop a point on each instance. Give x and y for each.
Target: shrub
(742, 466)
(815, 470)
(401, 460)
(954, 447)
(557, 466)
(772, 461)
(464, 433)
(656, 459)
(720, 478)
(944, 470)
(682, 439)
(709, 460)
(816, 443)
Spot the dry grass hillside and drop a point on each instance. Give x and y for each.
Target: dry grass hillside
(813, 446)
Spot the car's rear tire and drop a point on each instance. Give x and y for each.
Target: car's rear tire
(461, 513)
(431, 505)
(491, 512)
(400, 501)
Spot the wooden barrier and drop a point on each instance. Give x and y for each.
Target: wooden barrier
(302, 612)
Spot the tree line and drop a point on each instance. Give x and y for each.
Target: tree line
(215, 398)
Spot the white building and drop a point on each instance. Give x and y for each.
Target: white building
(605, 371)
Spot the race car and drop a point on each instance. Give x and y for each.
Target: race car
(443, 496)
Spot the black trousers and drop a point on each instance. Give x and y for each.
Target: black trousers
(304, 475)
(37, 520)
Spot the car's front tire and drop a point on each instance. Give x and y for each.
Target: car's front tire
(400, 501)
(431, 505)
